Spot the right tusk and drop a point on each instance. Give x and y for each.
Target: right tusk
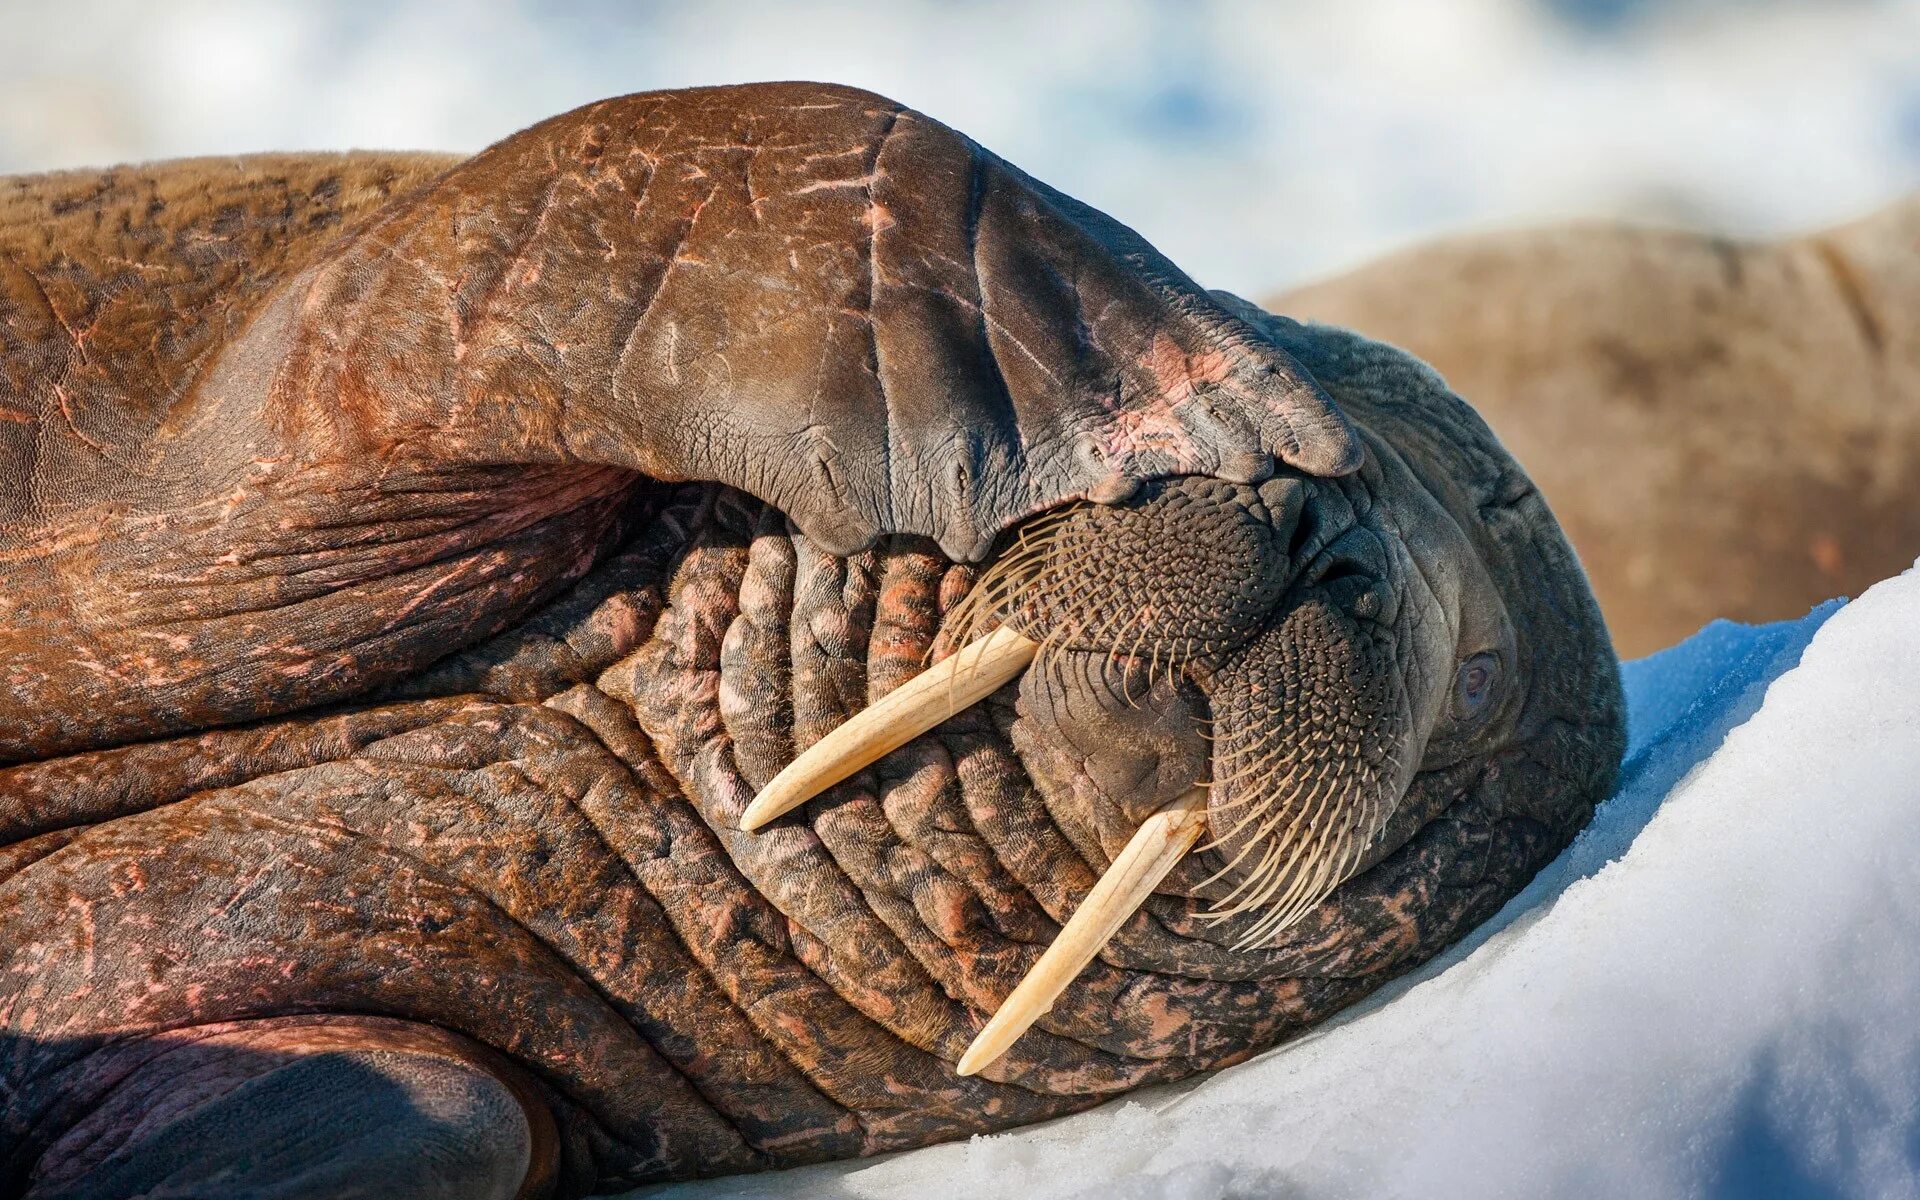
(973, 673)
(1162, 840)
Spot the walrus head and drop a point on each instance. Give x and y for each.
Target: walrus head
(1301, 675)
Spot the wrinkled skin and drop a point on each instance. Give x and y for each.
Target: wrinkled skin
(808, 293)
(382, 712)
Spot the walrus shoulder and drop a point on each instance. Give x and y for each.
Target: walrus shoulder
(116, 283)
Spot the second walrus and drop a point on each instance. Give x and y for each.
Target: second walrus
(1726, 428)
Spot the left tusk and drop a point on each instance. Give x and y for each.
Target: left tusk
(1162, 840)
(973, 673)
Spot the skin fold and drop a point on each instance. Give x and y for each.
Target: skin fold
(411, 568)
(805, 292)
(1727, 428)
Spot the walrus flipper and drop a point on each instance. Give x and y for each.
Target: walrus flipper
(311, 1108)
(807, 292)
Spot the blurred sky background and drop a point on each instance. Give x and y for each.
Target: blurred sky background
(1256, 143)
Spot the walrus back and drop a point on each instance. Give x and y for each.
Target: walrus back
(116, 284)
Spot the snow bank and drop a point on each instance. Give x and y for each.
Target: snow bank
(1712, 993)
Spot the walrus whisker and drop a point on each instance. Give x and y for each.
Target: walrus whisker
(1156, 847)
(1312, 881)
(968, 676)
(1274, 852)
(1267, 852)
(1249, 893)
(1265, 766)
(1025, 562)
(1300, 870)
(1129, 664)
(1262, 753)
(1310, 860)
(1238, 858)
(1273, 813)
(1302, 895)
(1305, 815)
(1033, 564)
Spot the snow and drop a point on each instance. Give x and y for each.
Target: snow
(1711, 993)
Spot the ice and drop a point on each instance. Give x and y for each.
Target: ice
(1711, 993)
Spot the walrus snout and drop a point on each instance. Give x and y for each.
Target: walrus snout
(1101, 609)
(1246, 640)
(1174, 682)
(1188, 569)
(1133, 608)
(1312, 753)
(1272, 705)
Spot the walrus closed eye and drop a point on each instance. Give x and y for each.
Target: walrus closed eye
(729, 630)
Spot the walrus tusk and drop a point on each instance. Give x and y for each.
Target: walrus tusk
(1162, 840)
(973, 673)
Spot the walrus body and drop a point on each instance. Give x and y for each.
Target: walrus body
(390, 640)
(1726, 428)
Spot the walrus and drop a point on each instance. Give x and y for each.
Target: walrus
(1726, 427)
(456, 615)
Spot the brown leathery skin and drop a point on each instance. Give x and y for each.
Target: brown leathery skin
(805, 291)
(118, 285)
(373, 682)
(530, 879)
(1727, 427)
(559, 882)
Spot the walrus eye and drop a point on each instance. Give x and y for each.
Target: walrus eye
(1474, 686)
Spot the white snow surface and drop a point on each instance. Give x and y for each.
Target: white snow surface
(1712, 993)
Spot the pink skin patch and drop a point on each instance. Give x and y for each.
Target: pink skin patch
(1156, 427)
